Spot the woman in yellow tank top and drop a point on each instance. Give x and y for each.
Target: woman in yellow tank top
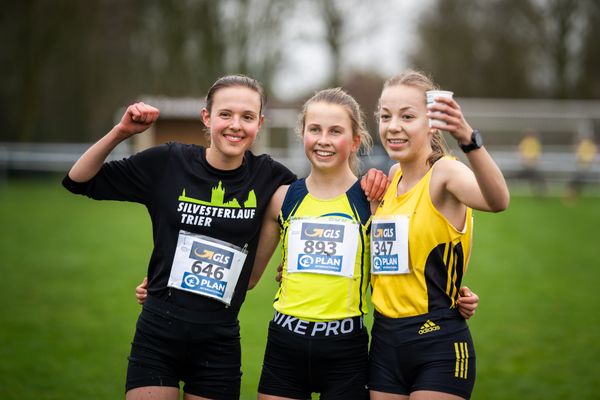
(420, 244)
(317, 341)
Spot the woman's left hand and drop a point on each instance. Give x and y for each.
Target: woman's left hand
(447, 115)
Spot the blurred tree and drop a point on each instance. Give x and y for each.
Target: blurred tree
(509, 48)
(253, 30)
(32, 32)
(588, 82)
(110, 71)
(338, 25)
(560, 20)
(365, 88)
(344, 24)
(67, 65)
(182, 44)
(483, 48)
(333, 19)
(61, 61)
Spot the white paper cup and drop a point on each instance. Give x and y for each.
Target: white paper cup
(432, 94)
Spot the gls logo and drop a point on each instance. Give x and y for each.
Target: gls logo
(326, 232)
(210, 254)
(385, 231)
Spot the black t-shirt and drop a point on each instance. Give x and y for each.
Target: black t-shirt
(181, 191)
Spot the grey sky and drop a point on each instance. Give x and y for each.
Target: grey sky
(381, 42)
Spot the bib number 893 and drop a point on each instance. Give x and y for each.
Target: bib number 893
(319, 247)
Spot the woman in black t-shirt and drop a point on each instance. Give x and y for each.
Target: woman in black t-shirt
(206, 207)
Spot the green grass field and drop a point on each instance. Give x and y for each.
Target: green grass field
(69, 267)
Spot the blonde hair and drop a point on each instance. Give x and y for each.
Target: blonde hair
(359, 128)
(421, 81)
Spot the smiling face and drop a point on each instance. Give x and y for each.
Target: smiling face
(403, 124)
(233, 121)
(328, 138)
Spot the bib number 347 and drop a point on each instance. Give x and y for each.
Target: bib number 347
(389, 245)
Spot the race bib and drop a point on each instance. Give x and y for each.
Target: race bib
(322, 246)
(389, 245)
(206, 266)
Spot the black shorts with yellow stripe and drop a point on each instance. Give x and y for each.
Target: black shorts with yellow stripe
(433, 352)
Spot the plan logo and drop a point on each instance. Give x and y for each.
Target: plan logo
(385, 262)
(203, 284)
(308, 262)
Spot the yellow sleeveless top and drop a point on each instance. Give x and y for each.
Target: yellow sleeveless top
(322, 297)
(438, 255)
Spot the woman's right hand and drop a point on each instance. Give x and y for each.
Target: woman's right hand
(279, 273)
(467, 302)
(137, 118)
(374, 183)
(141, 291)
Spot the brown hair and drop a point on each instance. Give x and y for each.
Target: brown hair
(421, 81)
(340, 97)
(234, 81)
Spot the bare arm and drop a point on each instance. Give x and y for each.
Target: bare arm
(483, 187)
(137, 118)
(269, 236)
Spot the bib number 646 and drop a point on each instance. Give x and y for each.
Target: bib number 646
(208, 270)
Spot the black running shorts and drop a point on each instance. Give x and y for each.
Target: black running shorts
(166, 350)
(303, 357)
(427, 352)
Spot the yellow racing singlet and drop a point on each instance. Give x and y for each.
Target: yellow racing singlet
(325, 254)
(438, 254)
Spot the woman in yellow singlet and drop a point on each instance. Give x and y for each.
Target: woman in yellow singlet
(421, 347)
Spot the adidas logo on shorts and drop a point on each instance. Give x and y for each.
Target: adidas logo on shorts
(429, 327)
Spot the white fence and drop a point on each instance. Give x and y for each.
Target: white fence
(556, 163)
(47, 157)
